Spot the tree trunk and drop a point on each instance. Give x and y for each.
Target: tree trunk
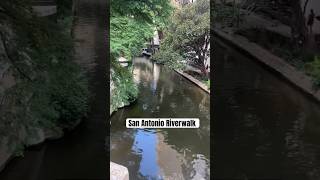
(298, 26)
(203, 65)
(305, 7)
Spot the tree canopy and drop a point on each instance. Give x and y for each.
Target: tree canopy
(189, 33)
(133, 22)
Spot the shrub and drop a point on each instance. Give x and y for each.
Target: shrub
(313, 69)
(50, 90)
(169, 57)
(125, 90)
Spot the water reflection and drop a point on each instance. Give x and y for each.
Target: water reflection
(145, 143)
(156, 73)
(264, 127)
(164, 153)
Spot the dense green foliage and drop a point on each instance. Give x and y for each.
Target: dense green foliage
(313, 69)
(187, 36)
(50, 90)
(132, 24)
(128, 36)
(125, 89)
(170, 57)
(149, 11)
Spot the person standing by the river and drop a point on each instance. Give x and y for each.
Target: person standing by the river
(311, 20)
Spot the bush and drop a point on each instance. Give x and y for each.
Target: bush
(60, 89)
(313, 69)
(125, 90)
(169, 57)
(207, 82)
(50, 90)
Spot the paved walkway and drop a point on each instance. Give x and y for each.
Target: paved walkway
(259, 21)
(254, 20)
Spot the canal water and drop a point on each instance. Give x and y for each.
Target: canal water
(264, 127)
(163, 153)
(82, 153)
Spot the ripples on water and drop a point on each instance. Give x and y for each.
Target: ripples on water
(163, 153)
(263, 127)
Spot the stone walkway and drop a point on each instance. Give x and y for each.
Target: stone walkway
(254, 20)
(258, 21)
(194, 80)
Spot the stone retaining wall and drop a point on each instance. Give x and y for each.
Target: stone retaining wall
(194, 80)
(296, 77)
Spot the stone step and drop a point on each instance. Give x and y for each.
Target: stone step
(118, 172)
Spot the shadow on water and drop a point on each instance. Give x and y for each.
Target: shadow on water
(163, 153)
(263, 126)
(81, 154)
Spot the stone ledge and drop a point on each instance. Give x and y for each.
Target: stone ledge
(194, 80)
(45, 10)
(118, 172)
(297, 78)
(42, 135)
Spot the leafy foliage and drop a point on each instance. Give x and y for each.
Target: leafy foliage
(126, 90)
(128, 36)
(313, 69)
(59, 77)
(149, 11)
(207, 83)
(171, 58)
(132, 24)
(50, 90)
(188, 35)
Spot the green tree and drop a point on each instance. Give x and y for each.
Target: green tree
(49, 90)
(189, 33)
(128, 36)
(132, 24)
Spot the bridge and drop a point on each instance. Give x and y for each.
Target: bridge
(44, 7)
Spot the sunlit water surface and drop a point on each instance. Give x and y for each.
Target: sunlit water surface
(163, 153)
